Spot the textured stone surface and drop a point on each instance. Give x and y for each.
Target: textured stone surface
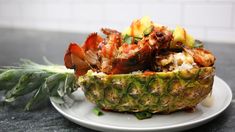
(30, 44)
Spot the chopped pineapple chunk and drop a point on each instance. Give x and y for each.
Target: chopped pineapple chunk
(139, 27)
(180, 35)
(190, 41)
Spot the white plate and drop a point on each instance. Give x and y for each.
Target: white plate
(81, 113)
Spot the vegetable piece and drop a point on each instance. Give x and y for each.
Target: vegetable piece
(198, 44)
(128, 39)
(131, 40)
(143, 115)
(139, 28)
(189, 41)
(148, 30)
(182, 37)
(97, 111)
(179, 34)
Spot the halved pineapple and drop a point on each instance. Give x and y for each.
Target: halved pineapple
(156, 92)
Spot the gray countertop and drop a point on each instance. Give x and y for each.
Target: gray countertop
(30, 44)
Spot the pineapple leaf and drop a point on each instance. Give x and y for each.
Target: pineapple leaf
(57, 100)
(38, 96)
(26, 84)
(43, 81)
(47, 61)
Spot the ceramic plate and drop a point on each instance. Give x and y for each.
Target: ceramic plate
(80, 112)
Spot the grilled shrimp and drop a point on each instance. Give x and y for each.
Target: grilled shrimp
(159, 38)
(201, 56)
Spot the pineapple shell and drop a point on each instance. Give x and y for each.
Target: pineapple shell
(158, 92)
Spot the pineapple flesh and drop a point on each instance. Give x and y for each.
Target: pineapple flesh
(157, 92)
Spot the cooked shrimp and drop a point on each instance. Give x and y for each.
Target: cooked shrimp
(201, 56)
(159, 38)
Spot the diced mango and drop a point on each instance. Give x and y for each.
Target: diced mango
(145, 22)
(190, 41)
(138, 27)
(180, 35)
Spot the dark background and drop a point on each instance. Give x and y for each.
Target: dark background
(33, 45)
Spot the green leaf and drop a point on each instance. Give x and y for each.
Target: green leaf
(60, 89)
(137, 40)
(10, 99)
(51, 83)
(39, 96)
(47, 61)
(70, 84)
(143, 115)
(9, 78)
(198, 44)
(128, 39)
(27, 83)
(131, 40)
(97, 111)
(57, 100)
(148, 30)
(44, 80)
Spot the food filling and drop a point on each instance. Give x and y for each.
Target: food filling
(143, 46)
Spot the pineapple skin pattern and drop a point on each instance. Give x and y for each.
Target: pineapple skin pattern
(157, 92)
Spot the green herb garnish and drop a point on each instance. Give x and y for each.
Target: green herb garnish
(128, 39)
(131, 40)
(198, 44)
(143, 115)
(148, 30)
(97, 111)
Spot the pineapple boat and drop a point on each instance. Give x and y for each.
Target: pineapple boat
(146, 68)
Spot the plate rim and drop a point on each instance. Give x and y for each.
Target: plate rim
(86, 123)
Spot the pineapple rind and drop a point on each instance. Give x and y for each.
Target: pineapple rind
(159, 92)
